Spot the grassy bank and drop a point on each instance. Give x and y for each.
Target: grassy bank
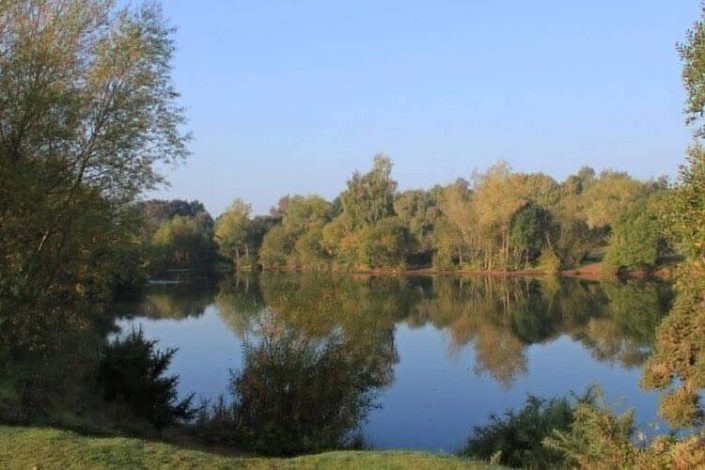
(42, 448)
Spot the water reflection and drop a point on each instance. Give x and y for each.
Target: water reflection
(297, 392)
(498, 318)
(312, 355)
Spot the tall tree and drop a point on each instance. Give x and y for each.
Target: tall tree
(232, 231)
(678, 364)
(87, 110)
(369, 198)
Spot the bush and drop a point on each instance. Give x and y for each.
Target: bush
(516, 438)
(549, 262)
(130, 374)
(294, 396)
(636, 240)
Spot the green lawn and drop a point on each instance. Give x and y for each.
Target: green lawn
(42, 448)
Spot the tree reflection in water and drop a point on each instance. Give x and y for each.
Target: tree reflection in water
(319, 348)
(498, 317)
(299, 393)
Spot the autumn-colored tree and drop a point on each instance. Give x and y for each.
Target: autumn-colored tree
(369, 197)
(678, 364)
(87, 111)
(232, 232)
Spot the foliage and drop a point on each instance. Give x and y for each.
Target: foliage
(183, 242)
(419, 210)
(531, 228)
(299, 240)
(678, 364)
(599, 439)
(500, 220)
(609, 195)
(636, 239)
(549, 262)
(130, 375)
(293, 395)
(369, 198)
(88, 113)
(385, 244)
(516, 437)
(277, 248)
(232, 232)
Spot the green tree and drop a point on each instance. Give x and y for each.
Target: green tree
(637, 239)
(299, 240)
(87, 111)
(531, 229)
(609, 195)
(131, 374)
(184, 242)
(369, 198)
(232, 232)
(419, 211)
(457, 230)
(677, 366)
(385, 245)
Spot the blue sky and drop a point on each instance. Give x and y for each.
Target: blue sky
(289, 97)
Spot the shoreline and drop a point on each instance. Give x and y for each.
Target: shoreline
(588, 272)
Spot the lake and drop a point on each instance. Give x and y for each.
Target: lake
(423, 359)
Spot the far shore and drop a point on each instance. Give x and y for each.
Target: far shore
(591, 272)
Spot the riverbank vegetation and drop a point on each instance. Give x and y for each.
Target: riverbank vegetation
(88, 114)
(499, 220)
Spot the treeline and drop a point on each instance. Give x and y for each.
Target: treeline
(498, 220)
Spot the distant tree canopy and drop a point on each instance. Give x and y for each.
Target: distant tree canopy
(637, 238)
(176, 234)
(499, 220)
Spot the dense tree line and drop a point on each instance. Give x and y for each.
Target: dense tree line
(176, 235)
(498, 220)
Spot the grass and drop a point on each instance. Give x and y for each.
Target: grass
(44, 448)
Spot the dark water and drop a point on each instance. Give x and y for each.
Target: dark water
(434, 356)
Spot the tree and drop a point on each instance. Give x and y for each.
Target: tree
(677, 366)
(458, 227)
(232, 232)
(155, 212)
(277, 248)
(298, 241)
(385, 245)
(636, 239)
(87, 111)
(609, 195)
(131, 374)
(184, 242)
(678, 363)
(419, 211)
(531, 229)
(369, 198)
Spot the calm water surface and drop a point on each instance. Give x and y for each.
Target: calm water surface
(435, 356)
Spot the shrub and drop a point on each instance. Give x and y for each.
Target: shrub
(549, 262)
(516, 438)
(130, 374)
(636, 239)
(294, 396)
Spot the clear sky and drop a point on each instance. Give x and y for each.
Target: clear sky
(293, 96)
